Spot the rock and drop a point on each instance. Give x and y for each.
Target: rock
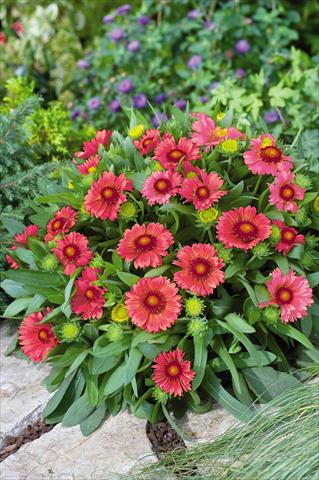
(64, 454)
(21, 395)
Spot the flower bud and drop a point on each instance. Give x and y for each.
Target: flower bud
(128, 211)
(194, 306)
(159, 395)
(271, 315)
(49, 262)
(261, 250)
(197, 326)
(114, 332)
(119, 313)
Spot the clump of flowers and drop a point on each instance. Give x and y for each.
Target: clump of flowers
(160, 270)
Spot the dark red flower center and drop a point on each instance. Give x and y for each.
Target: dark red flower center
(173, 370)
(43, 335)
(284, 296)
(200, 267)
(287, 192)
(202, 193)
(287, 235)
(71, 251)
(270, 154)
(175, 155)
(147, 142)
(89, 293)
(246, 231)
(145, 242)
(162, 185)
(154, 302)
(110, 195)
(57, 224)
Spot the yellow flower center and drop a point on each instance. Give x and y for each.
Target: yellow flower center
(173, 370)
(266, 142)
(92, 169)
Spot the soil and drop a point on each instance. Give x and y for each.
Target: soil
(30, 433)
(164, 438)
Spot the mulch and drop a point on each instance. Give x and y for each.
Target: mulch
(164, 438)
(30, 433)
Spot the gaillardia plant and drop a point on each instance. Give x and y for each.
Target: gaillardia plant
(168, 271)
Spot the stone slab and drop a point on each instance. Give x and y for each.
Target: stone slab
(64, 454)
(22, 398)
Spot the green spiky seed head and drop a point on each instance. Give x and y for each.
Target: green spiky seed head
(306, 261)
(301, 216)
(229, 146)
(114, 332)
(271, 315)
(275, 234)
(127, 211)
(160, 396)
(311, 241)
(197, 326)
(52, 244)
(194, 306)
(87, 180)
(69, 331)
(97, 261)
(49, 263)
(209, 215)
(225, 254)
(261, 250)
(303, 181)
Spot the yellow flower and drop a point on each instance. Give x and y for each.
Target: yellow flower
(92, 169)
(136, 132)
(209, 215)
(119, 313)
(220, 132)
(220, 116)
(70, 185)
(230, 146)
(266, 142)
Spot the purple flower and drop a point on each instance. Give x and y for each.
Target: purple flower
(83, 64)
(240, 73)
(108, 19)
(114, 106)
(194, 62)
(210, 26)
(140, 100)
(213, 85)
(124, 9)
(116, 34)
(94, 103)
(203, 100)
(125, 86)
(75, 113)
(144, 20)
(160, 98)
(242, 46)
(271, 116)
(158, 119)
(181, 104)
(193, 14)
(133, 46)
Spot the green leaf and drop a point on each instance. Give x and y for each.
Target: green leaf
(222, 352)
(77, 362)
(244, 360)
(213, 387)
(93, 421)
(12, 345)
(282, 263)
(66, 307)
(292, 332)
(92, 389)
(57, 398)
(64, 198)
(102, 365)
(144, 336)
(250, 291)
(155, 272)
(27, 257)
(78, 412)
(261, 293)
(103, 348)
(26, 278)
(13, 289)
(244, 340)
(201, 343)
(239, 323)
(12, 225)
(16, 307)
(117, 261)
(128, 278)
(132, 364)
(115, 381)
(313, 279)
(268, 383)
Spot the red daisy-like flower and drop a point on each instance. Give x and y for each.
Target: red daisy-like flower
(105, 197)
(207, 134)
(73, 252)
(29, 231)
(200, 269)
(243, 228)
(291, 293)
(148, 142)
(284, 192)
(264, 156)
(289, 238)
(153, 304)
(161, 186)
(145, 244)
(173, 374)
(89, 166)
(90, 148)
(88, 300)
(203, 190)
(169, 153)
(36, 339)
(62, 221)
